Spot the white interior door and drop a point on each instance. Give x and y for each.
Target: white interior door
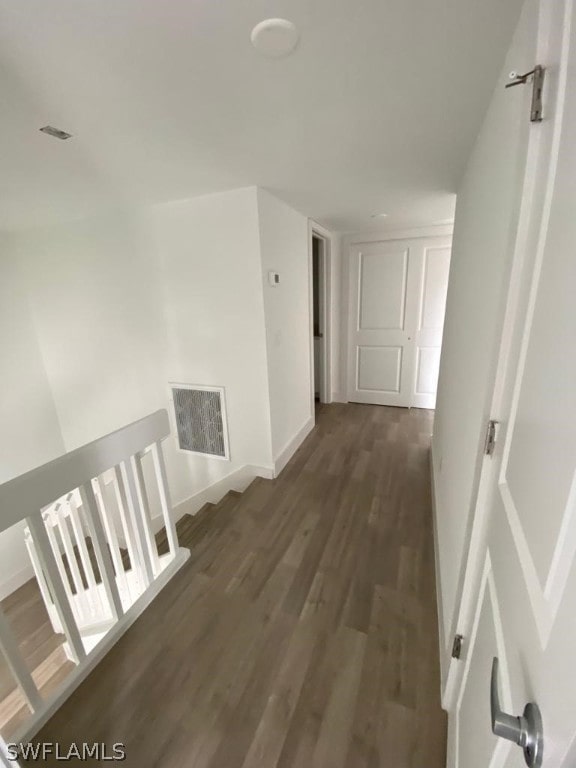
(396, 315)
(519, 598)
(433, 264)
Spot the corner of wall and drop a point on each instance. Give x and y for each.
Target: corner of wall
(284, 247)
(292, 446)
(262, 311)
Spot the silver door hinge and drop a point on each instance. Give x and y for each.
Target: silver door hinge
(491, 437)
(457, 646)
(537, 75)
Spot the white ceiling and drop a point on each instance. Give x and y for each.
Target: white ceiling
(376, 111)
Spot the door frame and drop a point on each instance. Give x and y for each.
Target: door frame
(349, 242)
(326, 289)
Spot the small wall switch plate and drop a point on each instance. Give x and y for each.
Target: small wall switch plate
(273, 278)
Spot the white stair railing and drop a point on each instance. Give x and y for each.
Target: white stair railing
(91, 505)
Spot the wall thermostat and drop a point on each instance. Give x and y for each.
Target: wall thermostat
(273, 278)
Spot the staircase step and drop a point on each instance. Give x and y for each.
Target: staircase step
(204, 510)
(229, 498)
(198, 530)
(259, 492)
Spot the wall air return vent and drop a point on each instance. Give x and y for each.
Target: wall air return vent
(200, 420)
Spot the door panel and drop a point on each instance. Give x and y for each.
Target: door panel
(434, 288)
(397, 303)
(427, 368)
(383, 282)
(428, 334)
(539, 468)
(379, 368)
(381, 305)
(526, 528)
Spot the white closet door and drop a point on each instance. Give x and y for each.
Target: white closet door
(435, 266)
(396, 313)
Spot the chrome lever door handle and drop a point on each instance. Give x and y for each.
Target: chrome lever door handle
(526, 730)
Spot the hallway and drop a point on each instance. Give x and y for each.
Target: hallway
(302, 632)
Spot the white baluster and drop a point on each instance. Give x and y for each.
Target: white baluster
(91, 599)
(101, 549)
(11, 652)
(56, 585)
(39, 573)
(110, 530)
(130, 496)
(79, 535)
(164, 491)
(61, 513)
(145, 509)
(129, 534)
(50, 519)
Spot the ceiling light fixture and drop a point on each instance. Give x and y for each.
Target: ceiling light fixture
(56, 132)
(275, 38)
(379, 215)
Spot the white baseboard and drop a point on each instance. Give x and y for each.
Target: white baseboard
(82, 671)
(238, 480)
(15, 581)
(292, 446)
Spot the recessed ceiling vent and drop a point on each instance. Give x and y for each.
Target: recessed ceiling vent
(200, 419)
(56, 132)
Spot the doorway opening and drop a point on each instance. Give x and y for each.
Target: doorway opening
(320, 253)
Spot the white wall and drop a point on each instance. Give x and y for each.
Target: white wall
(481, 260)
(28, 421)
(124, 304)
(284, 248)
(210, 258)
(93, 288)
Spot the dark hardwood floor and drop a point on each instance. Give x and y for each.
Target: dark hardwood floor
(303, 630)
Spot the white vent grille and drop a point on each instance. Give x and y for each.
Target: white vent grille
(200, 418)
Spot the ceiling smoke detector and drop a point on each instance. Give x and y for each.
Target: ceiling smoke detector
(275, 38)
(56, 132)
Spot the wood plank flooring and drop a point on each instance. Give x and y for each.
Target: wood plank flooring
(302, 633)
(41, 649)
